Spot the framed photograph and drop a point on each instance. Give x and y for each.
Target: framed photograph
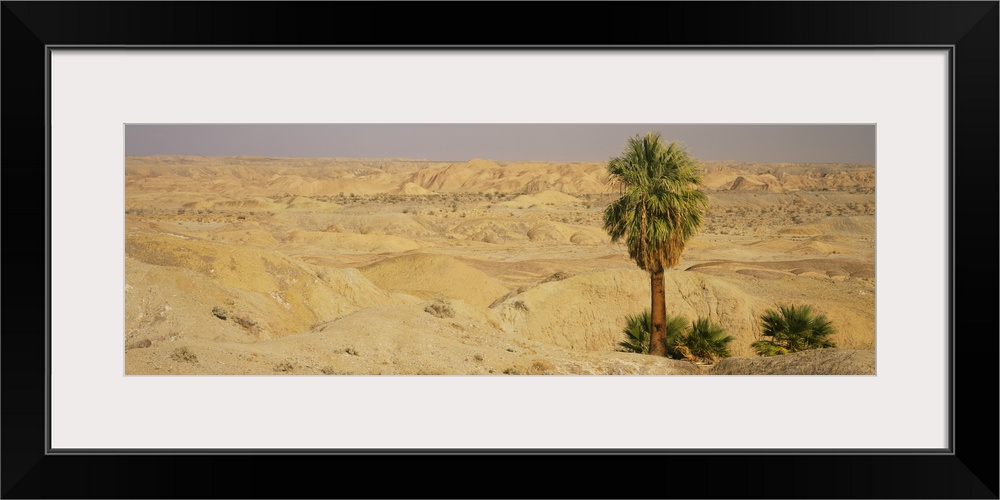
(283, 249)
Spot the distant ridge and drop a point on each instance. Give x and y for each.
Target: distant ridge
(243, 176)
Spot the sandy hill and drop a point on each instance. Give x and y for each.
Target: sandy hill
(324, 242)
(523, 229)
(833, 229)
(458, 177)
(243, 234)
(260, 203)
(262, 176)
(399, 338)
(258, 176)
(396, 224)
(587, 311)
(488, 176)
(304, 203)
(175, 276)
(411, 189)
(429, 275)
(786, 177)
(757, 183)
(542, 199)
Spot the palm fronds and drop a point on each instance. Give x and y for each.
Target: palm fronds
(703, 339)
(660, 207)
(707, 340)
(793, 328)
(637, 333)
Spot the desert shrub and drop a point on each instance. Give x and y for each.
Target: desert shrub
(220, 312)
(184, 354)
(707, 340)
(702, 340)
(636, 332)
(440, 309)
(541, 367)
(638, 328)
(793, 328)
(245, 321)
(141, 344)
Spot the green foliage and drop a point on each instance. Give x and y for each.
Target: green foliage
(792, 329)
(676, 329)
(636, 332)
(766, 348)
(703, 339)
(660, 207)
(707, 340)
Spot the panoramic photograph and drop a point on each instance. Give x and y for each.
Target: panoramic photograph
(499, 249)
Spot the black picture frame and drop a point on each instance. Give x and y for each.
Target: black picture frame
(968, 470)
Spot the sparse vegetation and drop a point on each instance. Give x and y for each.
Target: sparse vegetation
(141, 344)
(702, 340)
(541, 367)
(637, 333)
(244, 321)
(220, 312)
(185, 355)
(707, 341)
(441, 309)
(793, 328)
(284, 366)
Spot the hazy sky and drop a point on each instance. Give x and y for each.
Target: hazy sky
(511, 142)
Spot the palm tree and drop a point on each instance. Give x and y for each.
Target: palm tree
(659, 210)
(793, 329)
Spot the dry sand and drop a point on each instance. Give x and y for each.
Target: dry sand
(251, 265)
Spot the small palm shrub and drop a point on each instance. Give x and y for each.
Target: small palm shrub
(707, 340)
(792, 329)
(637, 331)
(676, 329)
(637, 328)
(702, 340)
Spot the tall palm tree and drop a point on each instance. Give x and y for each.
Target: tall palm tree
(659, 210)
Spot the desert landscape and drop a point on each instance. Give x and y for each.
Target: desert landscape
(391, 266)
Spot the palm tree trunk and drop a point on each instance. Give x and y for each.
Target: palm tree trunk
(658, 314)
